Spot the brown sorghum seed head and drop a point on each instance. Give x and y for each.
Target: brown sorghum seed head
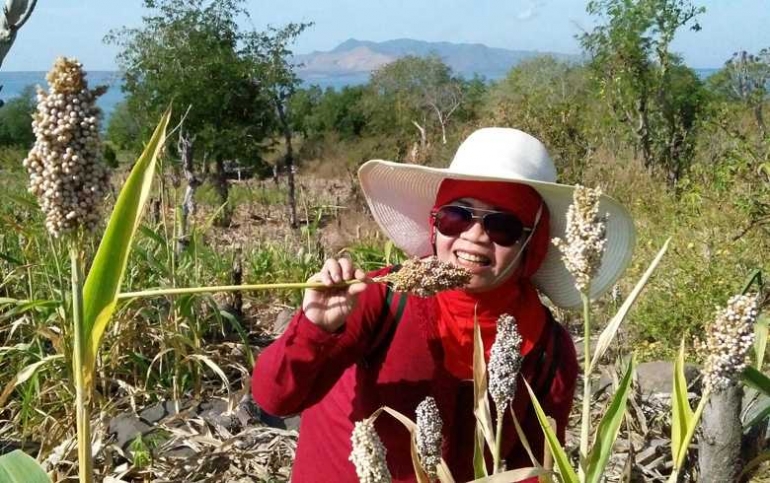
(586, 236)
(426, 277)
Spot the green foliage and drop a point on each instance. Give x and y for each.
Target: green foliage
(413, 90)
(652, 96)
(124, 129)
(16, 120)
(553, 101)
(187, 51)
(19, 467)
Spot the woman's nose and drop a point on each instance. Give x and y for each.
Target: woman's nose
(476, 232)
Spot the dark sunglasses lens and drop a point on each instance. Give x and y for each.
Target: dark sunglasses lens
(453, 220)
(503, 228)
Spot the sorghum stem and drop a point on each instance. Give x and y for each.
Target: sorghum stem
(82, 399)
(585, 422)
(233, 288)
(498, 442)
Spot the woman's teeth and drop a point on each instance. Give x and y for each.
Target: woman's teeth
(472, 258)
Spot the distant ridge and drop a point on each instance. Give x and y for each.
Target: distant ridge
(356, 57)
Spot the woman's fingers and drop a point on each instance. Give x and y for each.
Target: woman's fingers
(346, 266)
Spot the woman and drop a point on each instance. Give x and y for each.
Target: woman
(350, 351)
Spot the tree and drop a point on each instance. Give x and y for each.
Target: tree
(14, 15)
(745, 78)
(638, 76)
(16, 120)
(552, 100)
(124, 130)
(422, 93)
(268, 54)
(187, 51)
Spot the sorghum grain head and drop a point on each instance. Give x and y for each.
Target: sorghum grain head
(586, 236)
(65, 170)
(728, 340)
(428, 437)
(426, 277)
(504, 362)
(368, 454)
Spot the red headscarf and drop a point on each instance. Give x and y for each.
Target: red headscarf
(515, 296)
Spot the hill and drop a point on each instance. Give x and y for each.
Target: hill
(360, 57)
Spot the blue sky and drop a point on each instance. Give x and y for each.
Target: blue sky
(77, 27)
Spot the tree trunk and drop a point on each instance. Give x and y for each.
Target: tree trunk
(288, 161)
(185, 146)
(236, 305)
(223, 190)
(760, 120)
(417, 157)
(719, 448)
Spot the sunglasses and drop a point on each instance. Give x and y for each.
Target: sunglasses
(504, 229)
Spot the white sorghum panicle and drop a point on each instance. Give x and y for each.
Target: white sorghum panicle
(586, 236)
(65, 170)
(504, 362)
(728, 340)
(426, 277)
(368, 454)
(428, 437)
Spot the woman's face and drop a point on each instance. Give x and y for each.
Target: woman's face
(472, 249)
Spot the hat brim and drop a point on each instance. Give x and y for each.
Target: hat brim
(400, 197)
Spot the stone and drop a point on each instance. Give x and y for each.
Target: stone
(657, 377)
(282, 321)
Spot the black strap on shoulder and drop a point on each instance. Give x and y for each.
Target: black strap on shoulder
(548, 358)
(387, 322)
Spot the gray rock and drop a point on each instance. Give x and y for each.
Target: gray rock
(657, 377)
(126, 427)
(282, 321)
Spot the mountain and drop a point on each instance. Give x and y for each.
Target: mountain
(357, 58)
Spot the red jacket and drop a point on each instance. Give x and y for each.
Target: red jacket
(335, 379)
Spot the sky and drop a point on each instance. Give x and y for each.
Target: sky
(76, 28)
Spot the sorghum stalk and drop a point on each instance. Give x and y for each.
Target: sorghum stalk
(69, 180)
(419, 277)
(585, 420)
(82, 399)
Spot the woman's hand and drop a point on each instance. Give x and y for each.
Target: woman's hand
(329, 308)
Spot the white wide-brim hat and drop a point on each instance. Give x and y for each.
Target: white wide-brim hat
(401, 197)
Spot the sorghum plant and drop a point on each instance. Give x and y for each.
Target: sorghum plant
(69, 180)
(582, 255)
(729, 338)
